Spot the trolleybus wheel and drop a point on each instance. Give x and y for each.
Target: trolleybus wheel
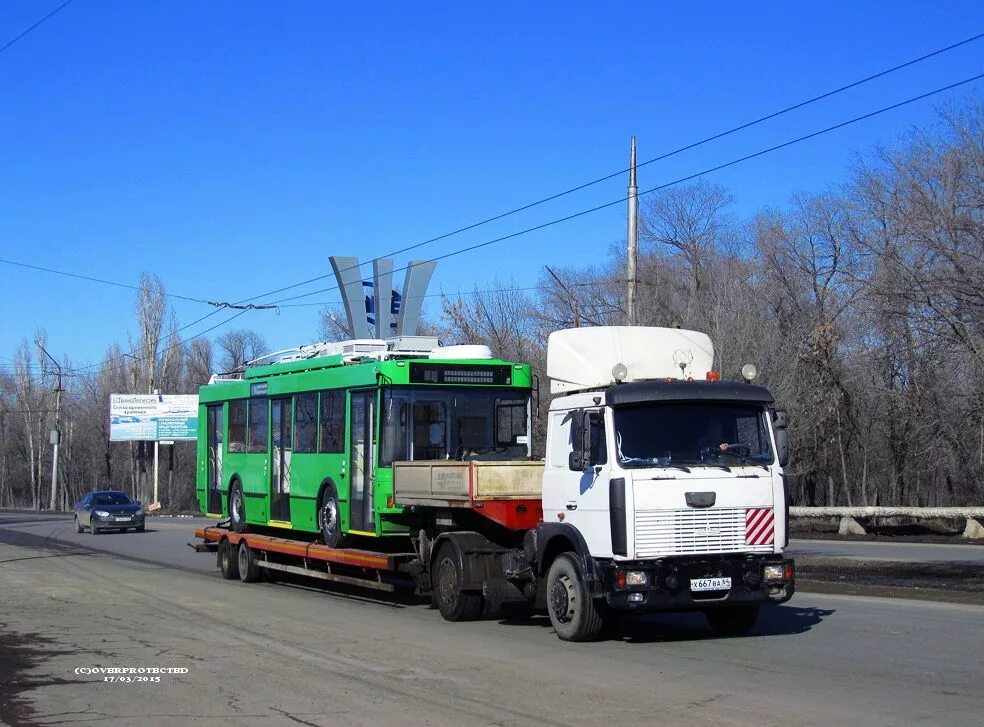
(329, 517)
(237, 508)
(446, 579)
(249, 569)
(228, 561)
(574, 614)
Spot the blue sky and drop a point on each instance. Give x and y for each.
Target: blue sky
(231, 147)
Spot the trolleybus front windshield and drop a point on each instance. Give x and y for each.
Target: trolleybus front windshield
(454, 423)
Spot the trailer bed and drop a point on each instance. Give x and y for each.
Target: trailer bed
(355, 566)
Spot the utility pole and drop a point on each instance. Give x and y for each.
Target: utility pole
(56, 432)
(632, 238)
(157, 451)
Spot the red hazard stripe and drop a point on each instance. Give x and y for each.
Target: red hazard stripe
(759, 525)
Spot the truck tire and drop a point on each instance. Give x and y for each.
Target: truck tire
(330, 517)
(237, 508)
(249, 569)
(446, 578)
(228, 561)
(732, 620)
(574, 614)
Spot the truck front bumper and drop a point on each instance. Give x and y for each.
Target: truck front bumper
(673, 584)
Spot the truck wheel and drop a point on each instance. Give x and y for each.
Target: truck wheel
(574, 614)
(228, 561)
(249, 569)
(237, 508)
(446, 580)
(732, 620)
(330, 517)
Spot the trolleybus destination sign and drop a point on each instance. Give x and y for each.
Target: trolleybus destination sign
(150, 417)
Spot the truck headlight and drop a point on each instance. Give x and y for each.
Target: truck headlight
(774, 573)
(636, 578)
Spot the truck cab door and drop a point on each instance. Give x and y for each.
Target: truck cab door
(575, 483)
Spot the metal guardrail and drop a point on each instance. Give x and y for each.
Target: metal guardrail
(849, 516)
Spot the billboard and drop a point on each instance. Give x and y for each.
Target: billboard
(149, 417)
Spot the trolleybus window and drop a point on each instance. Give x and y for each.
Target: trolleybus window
(257, 430)
(306, 422)
(237, 426)
(332, 422)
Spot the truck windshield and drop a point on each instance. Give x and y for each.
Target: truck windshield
(720, 434)
(453, 423)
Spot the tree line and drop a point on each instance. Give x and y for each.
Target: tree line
(861, 306)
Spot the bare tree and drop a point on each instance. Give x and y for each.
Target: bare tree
(238, 347)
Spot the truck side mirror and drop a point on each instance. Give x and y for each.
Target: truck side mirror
(780, 421)
(576, 460)
(594, 438)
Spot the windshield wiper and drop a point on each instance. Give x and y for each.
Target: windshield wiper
(654, 462)
(745, 459)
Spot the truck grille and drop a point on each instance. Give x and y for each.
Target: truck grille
(678, 532)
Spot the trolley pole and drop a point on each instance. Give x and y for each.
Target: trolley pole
(632, 238)
(56, 432)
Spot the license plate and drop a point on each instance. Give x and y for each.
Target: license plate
(710, 584)
(122, 519)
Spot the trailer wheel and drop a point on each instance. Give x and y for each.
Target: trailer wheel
(446, 579)
(228, 561)
(249, 569)
(330, 517)
(237, 508)
(732, 620)
(574, 614)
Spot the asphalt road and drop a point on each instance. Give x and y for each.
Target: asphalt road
(168, 536)
(289, 654)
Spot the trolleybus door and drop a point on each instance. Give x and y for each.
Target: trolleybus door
(362, 454)
(213, 442)
(281, 435)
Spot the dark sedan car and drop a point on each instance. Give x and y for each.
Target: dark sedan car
(108, 510)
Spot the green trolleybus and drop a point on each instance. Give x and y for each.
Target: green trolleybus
(307, 442)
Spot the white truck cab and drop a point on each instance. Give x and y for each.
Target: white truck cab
(671, 478)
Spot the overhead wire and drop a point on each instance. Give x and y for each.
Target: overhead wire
(281, 302)
(680, 180)
(129, 286)
(660, 157)
(36, 25)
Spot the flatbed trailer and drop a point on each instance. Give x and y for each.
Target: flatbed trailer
(353, 566)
